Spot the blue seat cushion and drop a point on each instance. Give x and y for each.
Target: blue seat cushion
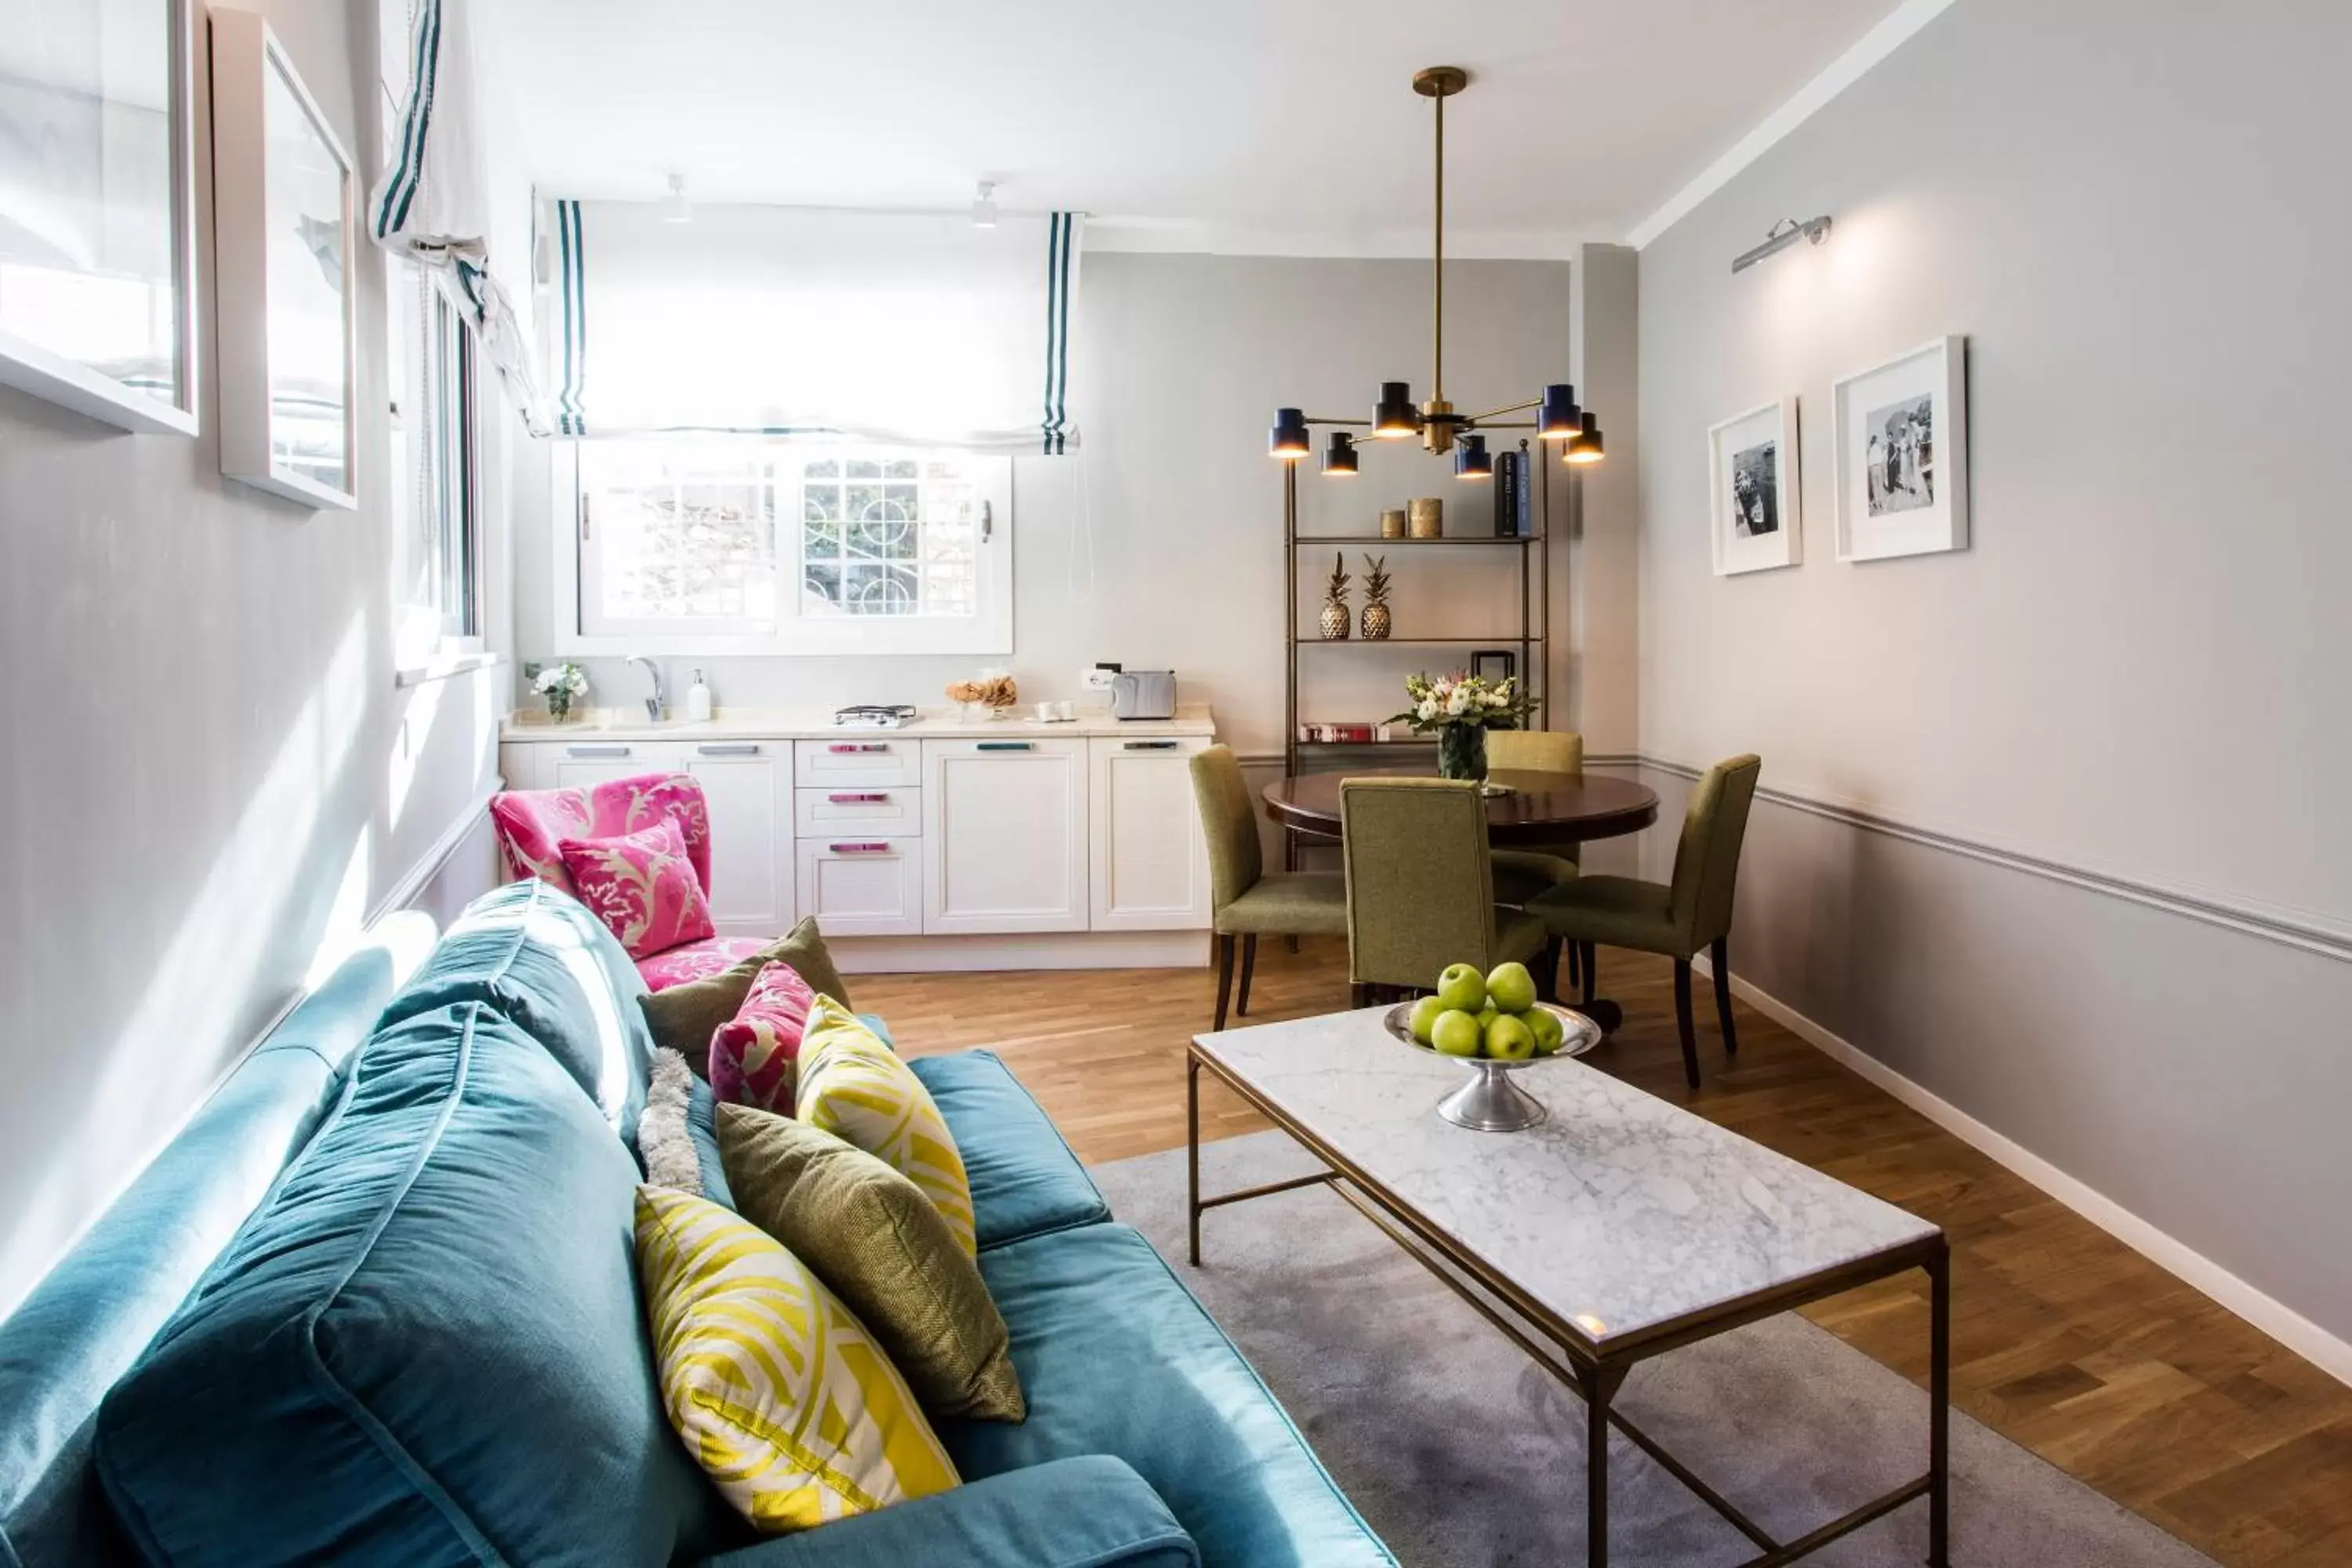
(425, 1347)
(1116, 1357)
(540, 957)
(1024, 1180)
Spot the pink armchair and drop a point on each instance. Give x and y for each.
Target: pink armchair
(532, 822)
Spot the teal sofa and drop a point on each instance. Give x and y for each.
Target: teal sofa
(376, 1304)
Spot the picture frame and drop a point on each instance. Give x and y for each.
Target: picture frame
(1755, 498)
(1902, 443)
(98, 312)
(284, 200)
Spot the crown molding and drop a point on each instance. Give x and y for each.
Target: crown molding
(1873, 46)
(1402, 243)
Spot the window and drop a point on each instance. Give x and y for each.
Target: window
(713, 545)
(430, 377)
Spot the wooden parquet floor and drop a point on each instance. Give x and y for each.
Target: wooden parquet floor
(2064, 1340)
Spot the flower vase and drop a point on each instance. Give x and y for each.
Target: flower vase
(559, 707)
(1462, 751)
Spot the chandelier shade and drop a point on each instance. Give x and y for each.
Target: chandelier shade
(1393, 416)
(1339, 457)
(1559, 418)
(1585, 447)
(1289, 440)
(1471, 460)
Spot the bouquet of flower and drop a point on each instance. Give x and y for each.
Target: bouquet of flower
(562, 685)
(1459, 699)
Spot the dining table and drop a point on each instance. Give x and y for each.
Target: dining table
(1523, 806)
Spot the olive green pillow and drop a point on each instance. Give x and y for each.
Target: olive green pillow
(882, 1246)
(685, 1016)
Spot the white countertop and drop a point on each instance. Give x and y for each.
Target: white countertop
(773, 724)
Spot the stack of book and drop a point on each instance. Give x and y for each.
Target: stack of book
(1515, 494)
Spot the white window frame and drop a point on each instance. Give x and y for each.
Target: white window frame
(986, 632)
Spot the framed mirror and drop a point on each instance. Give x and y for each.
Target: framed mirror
(96, 208)
(283, 194)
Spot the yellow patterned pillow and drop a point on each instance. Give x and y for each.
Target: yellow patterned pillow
(856, 1088)
(778, 1390)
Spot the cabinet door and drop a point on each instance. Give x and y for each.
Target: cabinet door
(1005, 836)
(862, 887)
(1150, 859)
(578, 763)
(748, 786)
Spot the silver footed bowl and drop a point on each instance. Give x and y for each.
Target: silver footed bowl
(1490, 1102)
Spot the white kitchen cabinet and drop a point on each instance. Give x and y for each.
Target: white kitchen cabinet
(747, 785)
(862, 887)
(866, 758)
(570, 764)
(1005, 836)
(1150, 860)
(859, 810)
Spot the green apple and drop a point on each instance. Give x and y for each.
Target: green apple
(1511, 987)
(1462, 988)
(1550, 1032)
(1455, 1033)
(1510, 1039)
(1487, 1017)
(1425, 1017)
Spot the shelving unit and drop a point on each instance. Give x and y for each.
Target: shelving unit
(1534, 561)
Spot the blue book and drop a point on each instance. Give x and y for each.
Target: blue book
(1525, 523)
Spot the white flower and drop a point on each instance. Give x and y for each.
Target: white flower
(1426, 708)
(1458, 703)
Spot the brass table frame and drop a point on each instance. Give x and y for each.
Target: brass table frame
(1596, 1371)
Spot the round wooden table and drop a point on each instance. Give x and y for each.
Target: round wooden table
(1540, 808)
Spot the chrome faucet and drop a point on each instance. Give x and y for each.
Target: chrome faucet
(653, 703)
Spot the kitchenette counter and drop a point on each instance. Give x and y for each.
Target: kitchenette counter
(775, 724)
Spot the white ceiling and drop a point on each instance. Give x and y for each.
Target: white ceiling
(1240, 125)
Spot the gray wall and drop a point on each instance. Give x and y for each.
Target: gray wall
(2134, 215)
(209, 775)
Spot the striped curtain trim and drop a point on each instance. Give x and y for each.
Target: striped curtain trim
(1060, 234)
(570, 417)
(424, 57)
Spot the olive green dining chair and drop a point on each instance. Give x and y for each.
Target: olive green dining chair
(1524, 872)
(1247, 902)
(1676, 919)
(1420, 889)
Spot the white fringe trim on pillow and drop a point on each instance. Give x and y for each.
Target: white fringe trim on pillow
(662, 1138)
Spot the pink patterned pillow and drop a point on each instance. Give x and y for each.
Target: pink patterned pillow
(642, 886)
(752, 1054)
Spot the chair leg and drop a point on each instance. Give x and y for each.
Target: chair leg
(1224, 978)
(1683, 1020)
(1721, 953)
(1575, 963)
(1591, 972)
(1358, 994)
(1249, 962)
(1548, 973)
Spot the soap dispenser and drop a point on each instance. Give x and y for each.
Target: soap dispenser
(698, 701)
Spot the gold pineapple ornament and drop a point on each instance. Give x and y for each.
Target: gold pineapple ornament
(1336, 618)
(1376, 599)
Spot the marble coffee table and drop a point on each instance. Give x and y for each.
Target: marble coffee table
(1619, 1228)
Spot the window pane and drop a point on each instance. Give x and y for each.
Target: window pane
(897, 537)
(681, 534)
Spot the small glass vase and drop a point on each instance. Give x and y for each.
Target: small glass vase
(559, 707)
(1462, 751)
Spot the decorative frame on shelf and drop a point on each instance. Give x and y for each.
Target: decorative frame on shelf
(1901, 431)
(1756, 500)
(100, 165)
(283, 195)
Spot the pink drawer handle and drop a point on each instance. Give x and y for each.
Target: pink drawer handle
(859, 849)
(857, 750)
(867, 798)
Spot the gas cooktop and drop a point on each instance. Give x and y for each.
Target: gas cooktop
(874, 716)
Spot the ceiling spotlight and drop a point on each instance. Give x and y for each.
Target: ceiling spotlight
(1784, 234)
(676, 210)
(983, 207)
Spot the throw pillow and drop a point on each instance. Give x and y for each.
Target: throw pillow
(854, 1086)
(642, 886)
(774, 1385)
(752, 1053)
(873, 1236)
(684, 1018)
(678, 1142)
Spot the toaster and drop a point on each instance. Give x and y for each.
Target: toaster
(1143, 694)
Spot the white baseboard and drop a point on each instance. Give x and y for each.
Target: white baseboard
(1035, 950)
(2282, 1323)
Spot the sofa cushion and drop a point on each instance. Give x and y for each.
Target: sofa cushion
(752, 1054)
(642, 886)
(684, 1013)
(677, 1144)
(425, 1347)
(1024, 1180)
(1117, 1357)
(540, 958)
(854, 1085)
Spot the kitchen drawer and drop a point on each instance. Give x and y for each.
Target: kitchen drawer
(862, 887)
(867, 758)
(859, 810)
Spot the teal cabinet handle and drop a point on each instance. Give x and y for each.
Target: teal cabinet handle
(1007, 745)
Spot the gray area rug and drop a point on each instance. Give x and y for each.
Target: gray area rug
(1459, 1450)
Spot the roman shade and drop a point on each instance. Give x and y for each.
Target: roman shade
(907, 328)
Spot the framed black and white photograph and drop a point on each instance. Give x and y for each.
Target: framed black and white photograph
(1902, 455)
(1752, 460)
(283, 199)
(98, 209)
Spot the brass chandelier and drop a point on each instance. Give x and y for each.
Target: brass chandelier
(1442, 429)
